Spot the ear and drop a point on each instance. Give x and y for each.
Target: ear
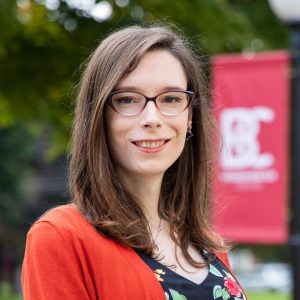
(190, 124)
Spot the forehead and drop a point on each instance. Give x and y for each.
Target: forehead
(157, 70)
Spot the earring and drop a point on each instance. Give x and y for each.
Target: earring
(189, 134)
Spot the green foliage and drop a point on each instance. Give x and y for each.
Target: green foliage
(269, 253)
(269, 296)
(6, 292)
(15, 153)
(15, 149)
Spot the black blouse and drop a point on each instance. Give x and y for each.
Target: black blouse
(219, 284)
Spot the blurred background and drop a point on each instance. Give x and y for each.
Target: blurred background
(43, 43)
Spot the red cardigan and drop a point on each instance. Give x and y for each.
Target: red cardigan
(66, 258)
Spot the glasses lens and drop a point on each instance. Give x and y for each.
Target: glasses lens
(172, 103)
(128, 103)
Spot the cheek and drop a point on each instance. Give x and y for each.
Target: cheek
(118, 129)
(182, 124)
(114, 124)
(115, 136)
(114, 132)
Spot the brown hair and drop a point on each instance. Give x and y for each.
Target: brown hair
(94, 184)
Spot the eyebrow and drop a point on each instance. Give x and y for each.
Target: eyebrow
(137, 89)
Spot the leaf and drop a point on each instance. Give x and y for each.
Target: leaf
(176, 295)
(217, 291)
(215, 271)
(225, 294)
(229, 275)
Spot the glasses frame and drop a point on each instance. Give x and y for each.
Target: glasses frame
(190, 95)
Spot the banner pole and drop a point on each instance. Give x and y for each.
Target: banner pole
(295, 160)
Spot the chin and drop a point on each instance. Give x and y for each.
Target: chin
(153, 170)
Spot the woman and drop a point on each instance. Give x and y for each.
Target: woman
(137, 226)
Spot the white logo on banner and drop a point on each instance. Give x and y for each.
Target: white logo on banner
(240, 129)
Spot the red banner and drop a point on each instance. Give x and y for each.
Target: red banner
(250, 186)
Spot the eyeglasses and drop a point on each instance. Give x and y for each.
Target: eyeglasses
(169, 103)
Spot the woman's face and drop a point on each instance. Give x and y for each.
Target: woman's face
(147, 144)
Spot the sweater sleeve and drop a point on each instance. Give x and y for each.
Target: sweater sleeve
(51, 268)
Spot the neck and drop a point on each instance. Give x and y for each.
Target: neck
(147, 191)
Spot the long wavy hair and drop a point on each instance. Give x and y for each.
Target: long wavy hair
(94, 183)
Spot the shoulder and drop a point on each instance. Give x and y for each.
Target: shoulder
(62, 225)
(223, 257)
(64, 217)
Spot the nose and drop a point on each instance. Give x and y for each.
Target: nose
(151, 116)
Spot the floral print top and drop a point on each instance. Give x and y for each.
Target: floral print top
(218, 285)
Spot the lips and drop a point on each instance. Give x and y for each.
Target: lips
(150, 144)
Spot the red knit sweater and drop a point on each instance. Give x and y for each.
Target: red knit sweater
(66, 258)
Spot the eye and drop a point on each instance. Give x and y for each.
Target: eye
(124, 100)
(171, 99)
